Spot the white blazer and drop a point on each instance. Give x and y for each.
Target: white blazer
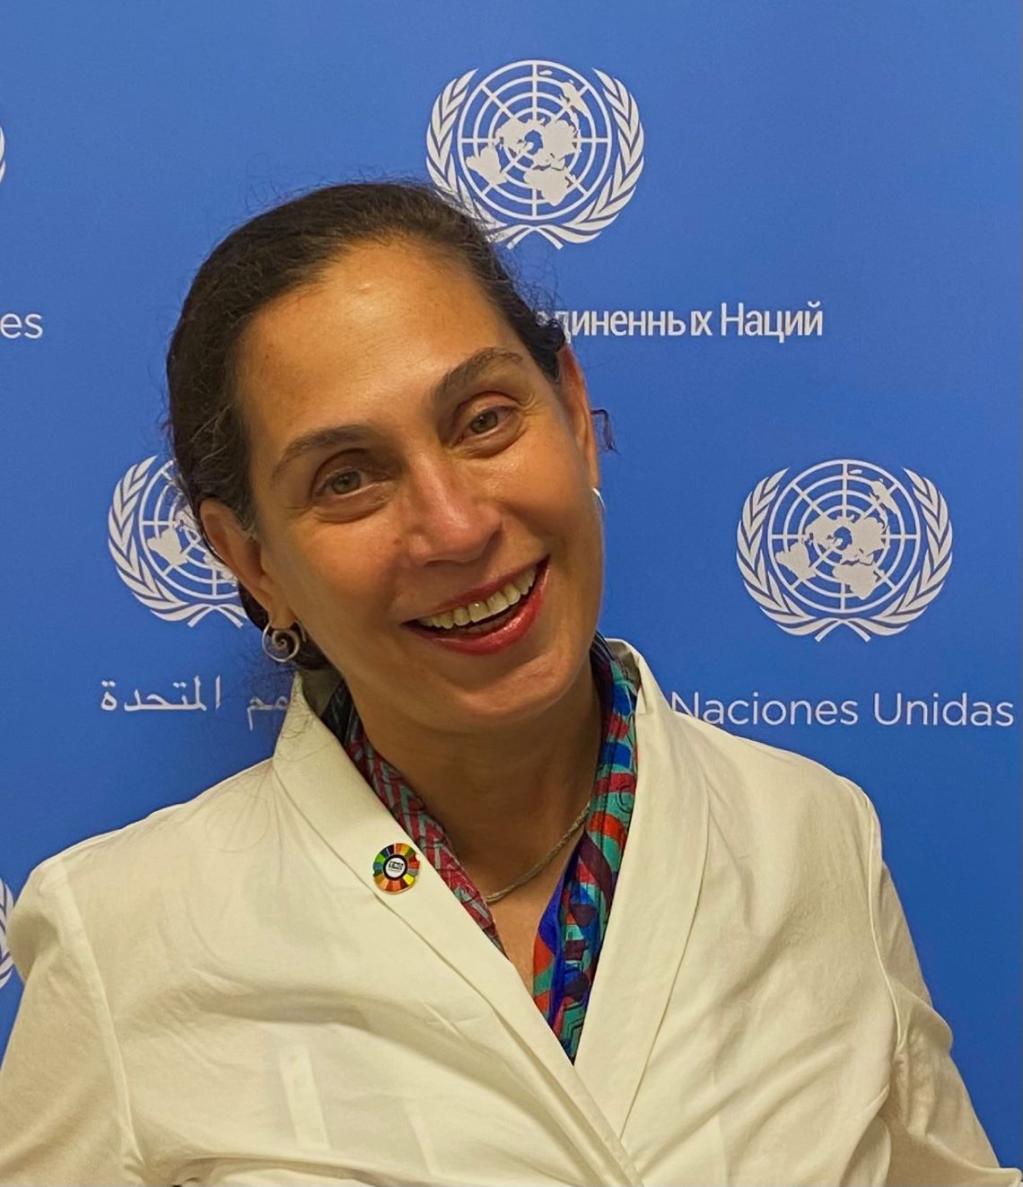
(220, 994)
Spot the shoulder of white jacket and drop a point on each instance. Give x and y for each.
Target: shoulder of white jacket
(731, 762)
(150, 838)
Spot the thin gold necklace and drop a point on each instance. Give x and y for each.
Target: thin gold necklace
(544, 861)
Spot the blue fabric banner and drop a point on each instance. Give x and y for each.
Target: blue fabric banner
(783, 240)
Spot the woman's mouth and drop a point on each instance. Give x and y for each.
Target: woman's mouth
(480, 628)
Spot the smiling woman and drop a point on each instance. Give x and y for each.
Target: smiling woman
(373, 958)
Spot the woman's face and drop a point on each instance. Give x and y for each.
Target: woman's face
(405, 450)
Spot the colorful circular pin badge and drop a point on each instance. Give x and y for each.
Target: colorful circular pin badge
(396, 867)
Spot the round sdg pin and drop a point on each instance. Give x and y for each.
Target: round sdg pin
(396, 868)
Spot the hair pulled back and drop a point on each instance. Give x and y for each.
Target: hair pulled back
(275, 253)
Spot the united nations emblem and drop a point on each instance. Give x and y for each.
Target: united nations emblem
(536, 147)
(844, 543)
(160, 554)
(6, 906)
(3, 163)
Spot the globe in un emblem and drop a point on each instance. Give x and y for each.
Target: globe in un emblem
(159, 552)
(844, 543)
(537, 147)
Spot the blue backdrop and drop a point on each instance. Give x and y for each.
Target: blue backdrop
(784, 239)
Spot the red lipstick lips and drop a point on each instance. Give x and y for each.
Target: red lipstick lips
(480, 593)
(510, 631)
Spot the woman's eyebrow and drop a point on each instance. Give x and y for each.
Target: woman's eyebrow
(332, 436)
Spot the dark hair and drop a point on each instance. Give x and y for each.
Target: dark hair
(272, 254)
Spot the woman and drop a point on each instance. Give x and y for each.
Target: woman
(373, 958)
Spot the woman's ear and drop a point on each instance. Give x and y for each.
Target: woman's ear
(576, 400)
(242, 553)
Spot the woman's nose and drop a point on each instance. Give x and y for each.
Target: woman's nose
(448, 516)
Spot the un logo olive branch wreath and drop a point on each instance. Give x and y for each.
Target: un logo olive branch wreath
(614, 195)
(6, 906)
(765, 589)
(143, 582)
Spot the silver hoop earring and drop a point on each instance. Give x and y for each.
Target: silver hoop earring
(282, 644)
(600, 499)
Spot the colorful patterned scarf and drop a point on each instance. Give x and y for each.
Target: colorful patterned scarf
(571, 931)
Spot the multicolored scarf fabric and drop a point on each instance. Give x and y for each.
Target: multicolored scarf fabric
(571, 931)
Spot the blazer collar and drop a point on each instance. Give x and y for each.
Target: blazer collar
(651, 914)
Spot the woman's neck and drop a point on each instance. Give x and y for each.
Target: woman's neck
(504, 797)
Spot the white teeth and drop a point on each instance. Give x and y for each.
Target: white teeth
(513, 592)
(525, 582)
(478, 611)
(497, 602)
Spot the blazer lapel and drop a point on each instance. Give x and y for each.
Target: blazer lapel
(329, 791)
(653, 907)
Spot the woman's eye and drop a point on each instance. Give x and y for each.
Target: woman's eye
(339, 483)
(487, 420)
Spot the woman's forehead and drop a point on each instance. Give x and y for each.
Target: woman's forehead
(383, 318)
(374, 297)
(374, 286)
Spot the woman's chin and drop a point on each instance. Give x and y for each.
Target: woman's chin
(523, 692)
